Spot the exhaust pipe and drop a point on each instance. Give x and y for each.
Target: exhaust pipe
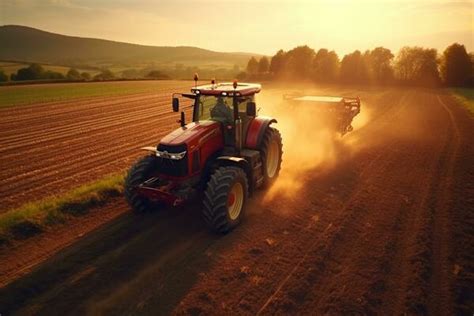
(238, 135)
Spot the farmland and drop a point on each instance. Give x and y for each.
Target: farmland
(34, 94)
(374, 223)
(82, 137)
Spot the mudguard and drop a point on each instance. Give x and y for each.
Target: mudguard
(149, 148)
(256, 130)
(237, 161)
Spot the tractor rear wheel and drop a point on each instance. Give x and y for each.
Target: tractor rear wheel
(141, 171)
(225, 198)
(272, 151)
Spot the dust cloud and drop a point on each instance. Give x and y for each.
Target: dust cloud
(310, 145)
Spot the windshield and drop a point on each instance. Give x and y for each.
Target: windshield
(210, 107)
(219, 108)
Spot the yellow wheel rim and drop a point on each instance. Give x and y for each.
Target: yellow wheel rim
(235, 200)
(273, 157)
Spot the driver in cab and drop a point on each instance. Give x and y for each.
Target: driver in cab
(222, 112)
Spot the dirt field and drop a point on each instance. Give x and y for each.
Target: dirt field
(50, 148)
(377, 223)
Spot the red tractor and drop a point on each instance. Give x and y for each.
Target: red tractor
(224, 155)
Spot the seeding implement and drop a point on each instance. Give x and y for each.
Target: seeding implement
(335, 112)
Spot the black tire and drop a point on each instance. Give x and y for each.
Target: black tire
(216, 211)
(141, 171)
(271, 135)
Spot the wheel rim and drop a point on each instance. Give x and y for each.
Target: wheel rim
(273, 156)
(235, 200)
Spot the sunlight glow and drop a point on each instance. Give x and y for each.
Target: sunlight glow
(261, 26)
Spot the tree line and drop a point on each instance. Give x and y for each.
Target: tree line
(415, 66)
(178, 71)
(37, 72)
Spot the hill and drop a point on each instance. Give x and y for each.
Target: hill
(26, 44)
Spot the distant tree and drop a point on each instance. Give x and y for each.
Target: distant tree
(325, 66)
(379, 63)
(299, 62)
(130, 74)
(52, 75)
(86, 76)
(32, 72)
(263, 65)
(456, 65)
(354, 68)
(105, 74)
(3, 76)
(156, 74)
(73, 74)
(252, 66)
(417, 66)
(241, 76)
(471, 79)
(277, 63)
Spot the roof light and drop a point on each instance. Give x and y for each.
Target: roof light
(196, 78)
(234, 84)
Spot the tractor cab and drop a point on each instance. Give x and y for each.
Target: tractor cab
(231, 104)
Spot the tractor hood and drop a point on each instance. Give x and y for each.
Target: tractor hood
(193, 134)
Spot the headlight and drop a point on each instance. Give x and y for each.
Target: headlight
(173, 156)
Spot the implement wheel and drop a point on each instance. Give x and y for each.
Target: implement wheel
(225, 198)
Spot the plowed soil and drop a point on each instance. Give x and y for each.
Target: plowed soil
(50, 148)
(379, 222)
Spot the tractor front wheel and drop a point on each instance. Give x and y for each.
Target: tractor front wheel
(141, 171)
(225, 198)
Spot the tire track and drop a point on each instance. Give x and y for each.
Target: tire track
(302, 228)
(331, 248)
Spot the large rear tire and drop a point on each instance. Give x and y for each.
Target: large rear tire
(272, 151)
(225, 198)
(141, 171)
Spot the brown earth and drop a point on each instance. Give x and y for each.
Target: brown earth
(379, 222)
(51, 148)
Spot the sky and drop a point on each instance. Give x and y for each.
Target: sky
(257, 26)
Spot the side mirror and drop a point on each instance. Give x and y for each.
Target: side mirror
(251, 109)
(175, 105)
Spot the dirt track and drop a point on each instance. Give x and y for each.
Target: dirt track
(383, 228)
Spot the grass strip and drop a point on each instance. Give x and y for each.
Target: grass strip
(34, 217)
(465, 97)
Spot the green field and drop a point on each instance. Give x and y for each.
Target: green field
(466, 97)
(35, 93)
